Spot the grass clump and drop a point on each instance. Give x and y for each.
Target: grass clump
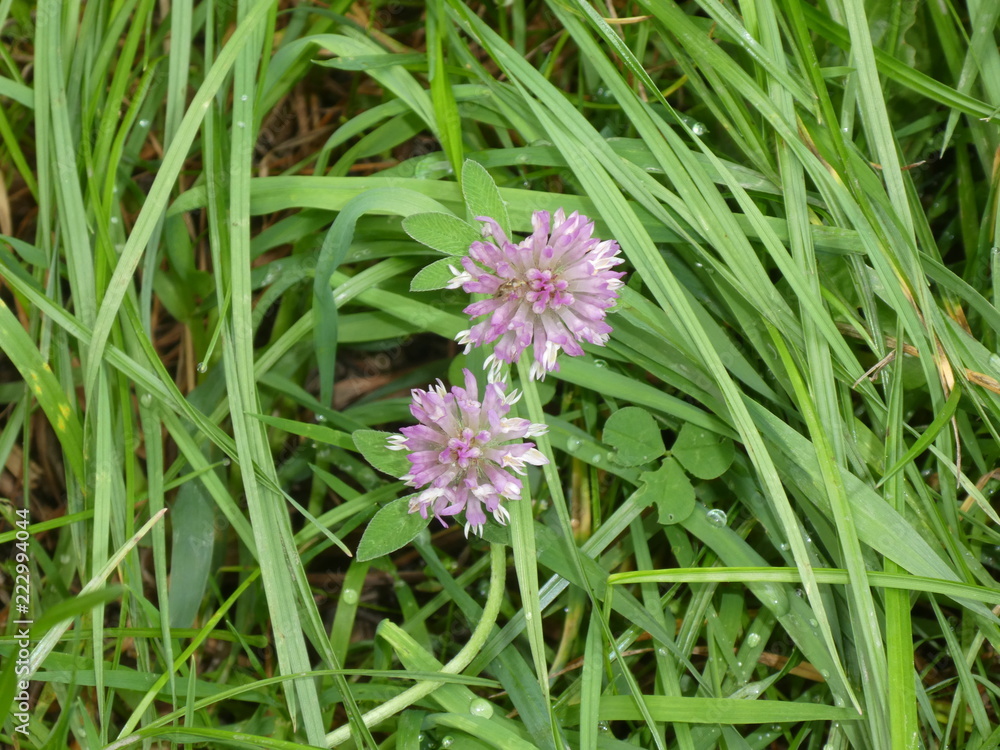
(764, 516)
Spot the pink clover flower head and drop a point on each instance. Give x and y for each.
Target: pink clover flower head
(463, 452)
(549, 292)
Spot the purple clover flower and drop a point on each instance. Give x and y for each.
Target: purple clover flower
(462, 450)
(551, 291)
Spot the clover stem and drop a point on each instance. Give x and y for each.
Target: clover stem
(498, 571)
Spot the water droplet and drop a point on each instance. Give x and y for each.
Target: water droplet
(114, 219)
(573, 445)
(527, 616)
(600, 363)
(146, 399)
(602, 726)
(825, 673)
(753, 640)
(243, 98)
(349, 597)
(812, 623)
(65, 559)
(447, 741)
(662, 651)
(481, 707)
(699, 129)
(783, 546)
(716, 517)
(143, 123)
(799, 593)
(320, 419)
(595, 458)
(227, 461)
(202, 368)
(241, 124)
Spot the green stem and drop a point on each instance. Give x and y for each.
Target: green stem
(498, 570)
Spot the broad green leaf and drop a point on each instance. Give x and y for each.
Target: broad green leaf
(482, 198)
(442, 232)
(434, 276)
(705, 454)
(670, 489)
(374, 446)
(193, 518)
(634, 435)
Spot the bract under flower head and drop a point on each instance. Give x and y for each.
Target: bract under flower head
(464, 450)
(550, 292)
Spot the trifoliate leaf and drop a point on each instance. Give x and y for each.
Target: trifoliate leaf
(670, 488)
(374, 447)
(703, 453)
(634, 435)
(391, 528)
(435, 276)
(443, 232)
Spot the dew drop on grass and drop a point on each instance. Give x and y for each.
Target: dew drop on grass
(602, 726)
(527, 616)
(114, 219)
(573, 445)
(813, 623)
(143, 123)
(146, 399)
(241, 124)
(753, 640)
(595, 458)
(227, 461)
(447, 741)
(600, 363)
(349, 597)
(202, 368)
(716, 517)
(243, 98)
(320, 419)
(481, 707)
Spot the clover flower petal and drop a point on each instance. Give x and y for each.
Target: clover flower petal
(465, 453)
(549, 292)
